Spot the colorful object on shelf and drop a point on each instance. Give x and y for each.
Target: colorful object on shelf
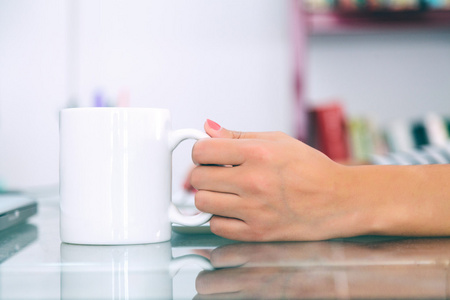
(398, 136)
(358, 140)
(123, 99)
(99, 100)
(419, 134)
(430, 154)
(331, 136)
(320, 6)
(421, 141)
(365, 138)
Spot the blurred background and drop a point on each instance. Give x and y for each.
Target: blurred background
(250, 65)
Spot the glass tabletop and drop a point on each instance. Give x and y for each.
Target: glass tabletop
(34, 264)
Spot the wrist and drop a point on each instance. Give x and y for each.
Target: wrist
(366, 210)
(384, 200)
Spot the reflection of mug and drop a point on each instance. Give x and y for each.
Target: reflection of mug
(115, 175)
(121, 272)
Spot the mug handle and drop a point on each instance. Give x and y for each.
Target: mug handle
(190, 259)
(175, 215)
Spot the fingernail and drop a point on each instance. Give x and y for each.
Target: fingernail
(213, 125)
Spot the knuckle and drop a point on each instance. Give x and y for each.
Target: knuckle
(258, 233)
(256, 236)
(258, 183)
(278, 135)
(264, 154)
(261, 152)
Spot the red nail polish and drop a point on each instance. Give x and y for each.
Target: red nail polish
(213, 125)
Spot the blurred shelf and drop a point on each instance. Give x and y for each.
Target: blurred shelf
(323, 23)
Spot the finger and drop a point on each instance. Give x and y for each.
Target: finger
(218, 152)
(216, 179)
(230, 256)
(216, 131)
(218, 282)
(233, 229)
(222, 204)
(222, 296)
(238, 283)
(243, 254)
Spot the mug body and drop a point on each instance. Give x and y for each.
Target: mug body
(115, 175)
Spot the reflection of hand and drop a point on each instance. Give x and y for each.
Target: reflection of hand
(264, 283)
(262, 271)
(363, 251)
(398, 269)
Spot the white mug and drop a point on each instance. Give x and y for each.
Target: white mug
(115, 176)
(122, 272)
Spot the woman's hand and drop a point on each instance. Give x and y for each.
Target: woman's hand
(271, 187)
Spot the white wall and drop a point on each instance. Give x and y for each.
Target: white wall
(387, 75)
(225, 60)
(32, 90)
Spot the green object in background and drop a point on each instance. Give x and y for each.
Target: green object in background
(2, 186)
(420, 136)
(447, 126)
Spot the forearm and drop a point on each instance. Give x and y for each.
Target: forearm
(403, 200)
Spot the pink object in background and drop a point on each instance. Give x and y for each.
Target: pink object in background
(299, 36)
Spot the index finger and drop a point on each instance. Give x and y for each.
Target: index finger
(218, 151)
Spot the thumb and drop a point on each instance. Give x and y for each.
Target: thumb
(214, 130)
